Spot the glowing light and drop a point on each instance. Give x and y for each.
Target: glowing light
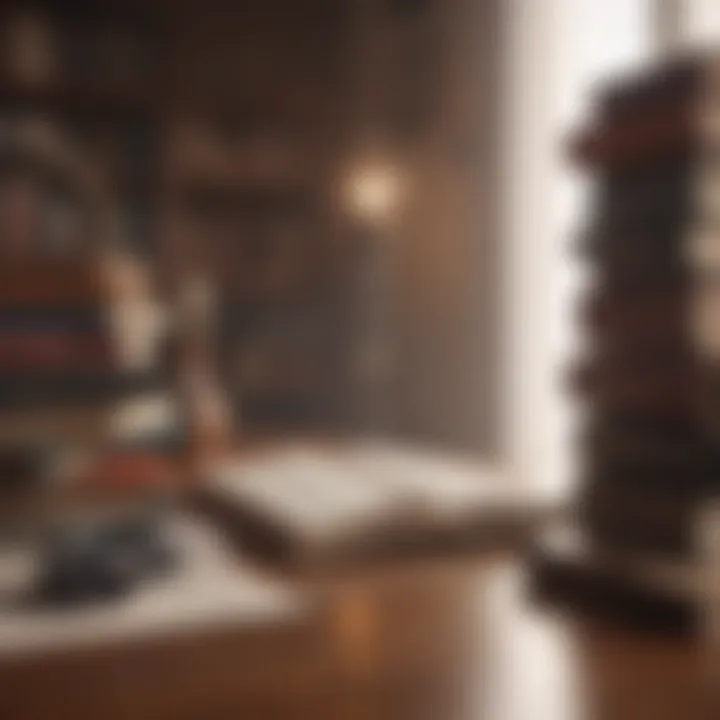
(373, 193)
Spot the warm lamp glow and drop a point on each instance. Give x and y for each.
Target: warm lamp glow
(373, 193)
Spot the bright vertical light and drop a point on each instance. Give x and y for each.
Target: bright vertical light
(701, 21)
(556, 50)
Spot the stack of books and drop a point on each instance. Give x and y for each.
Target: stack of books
(59, 357)
(651, 361)
(81, 372)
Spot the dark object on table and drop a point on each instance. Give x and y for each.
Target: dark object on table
(140, 544)
(104, 560)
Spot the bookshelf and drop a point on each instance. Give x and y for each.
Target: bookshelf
(78, 196)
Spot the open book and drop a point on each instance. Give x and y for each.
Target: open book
(361, 498)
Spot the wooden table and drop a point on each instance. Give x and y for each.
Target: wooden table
(431, 641)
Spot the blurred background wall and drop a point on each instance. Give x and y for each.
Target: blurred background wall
(428, 107)
(371, 190)
(318, 98)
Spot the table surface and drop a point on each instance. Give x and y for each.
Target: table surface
(211, 586)
(430, 641)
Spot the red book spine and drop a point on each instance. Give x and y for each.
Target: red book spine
(53, 351)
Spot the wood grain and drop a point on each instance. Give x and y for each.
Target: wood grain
(441, 641)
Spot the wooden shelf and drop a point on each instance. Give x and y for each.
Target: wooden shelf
(79, 102)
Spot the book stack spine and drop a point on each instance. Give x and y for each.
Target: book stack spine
(52, 341)
(61, 373)
(649, 450)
